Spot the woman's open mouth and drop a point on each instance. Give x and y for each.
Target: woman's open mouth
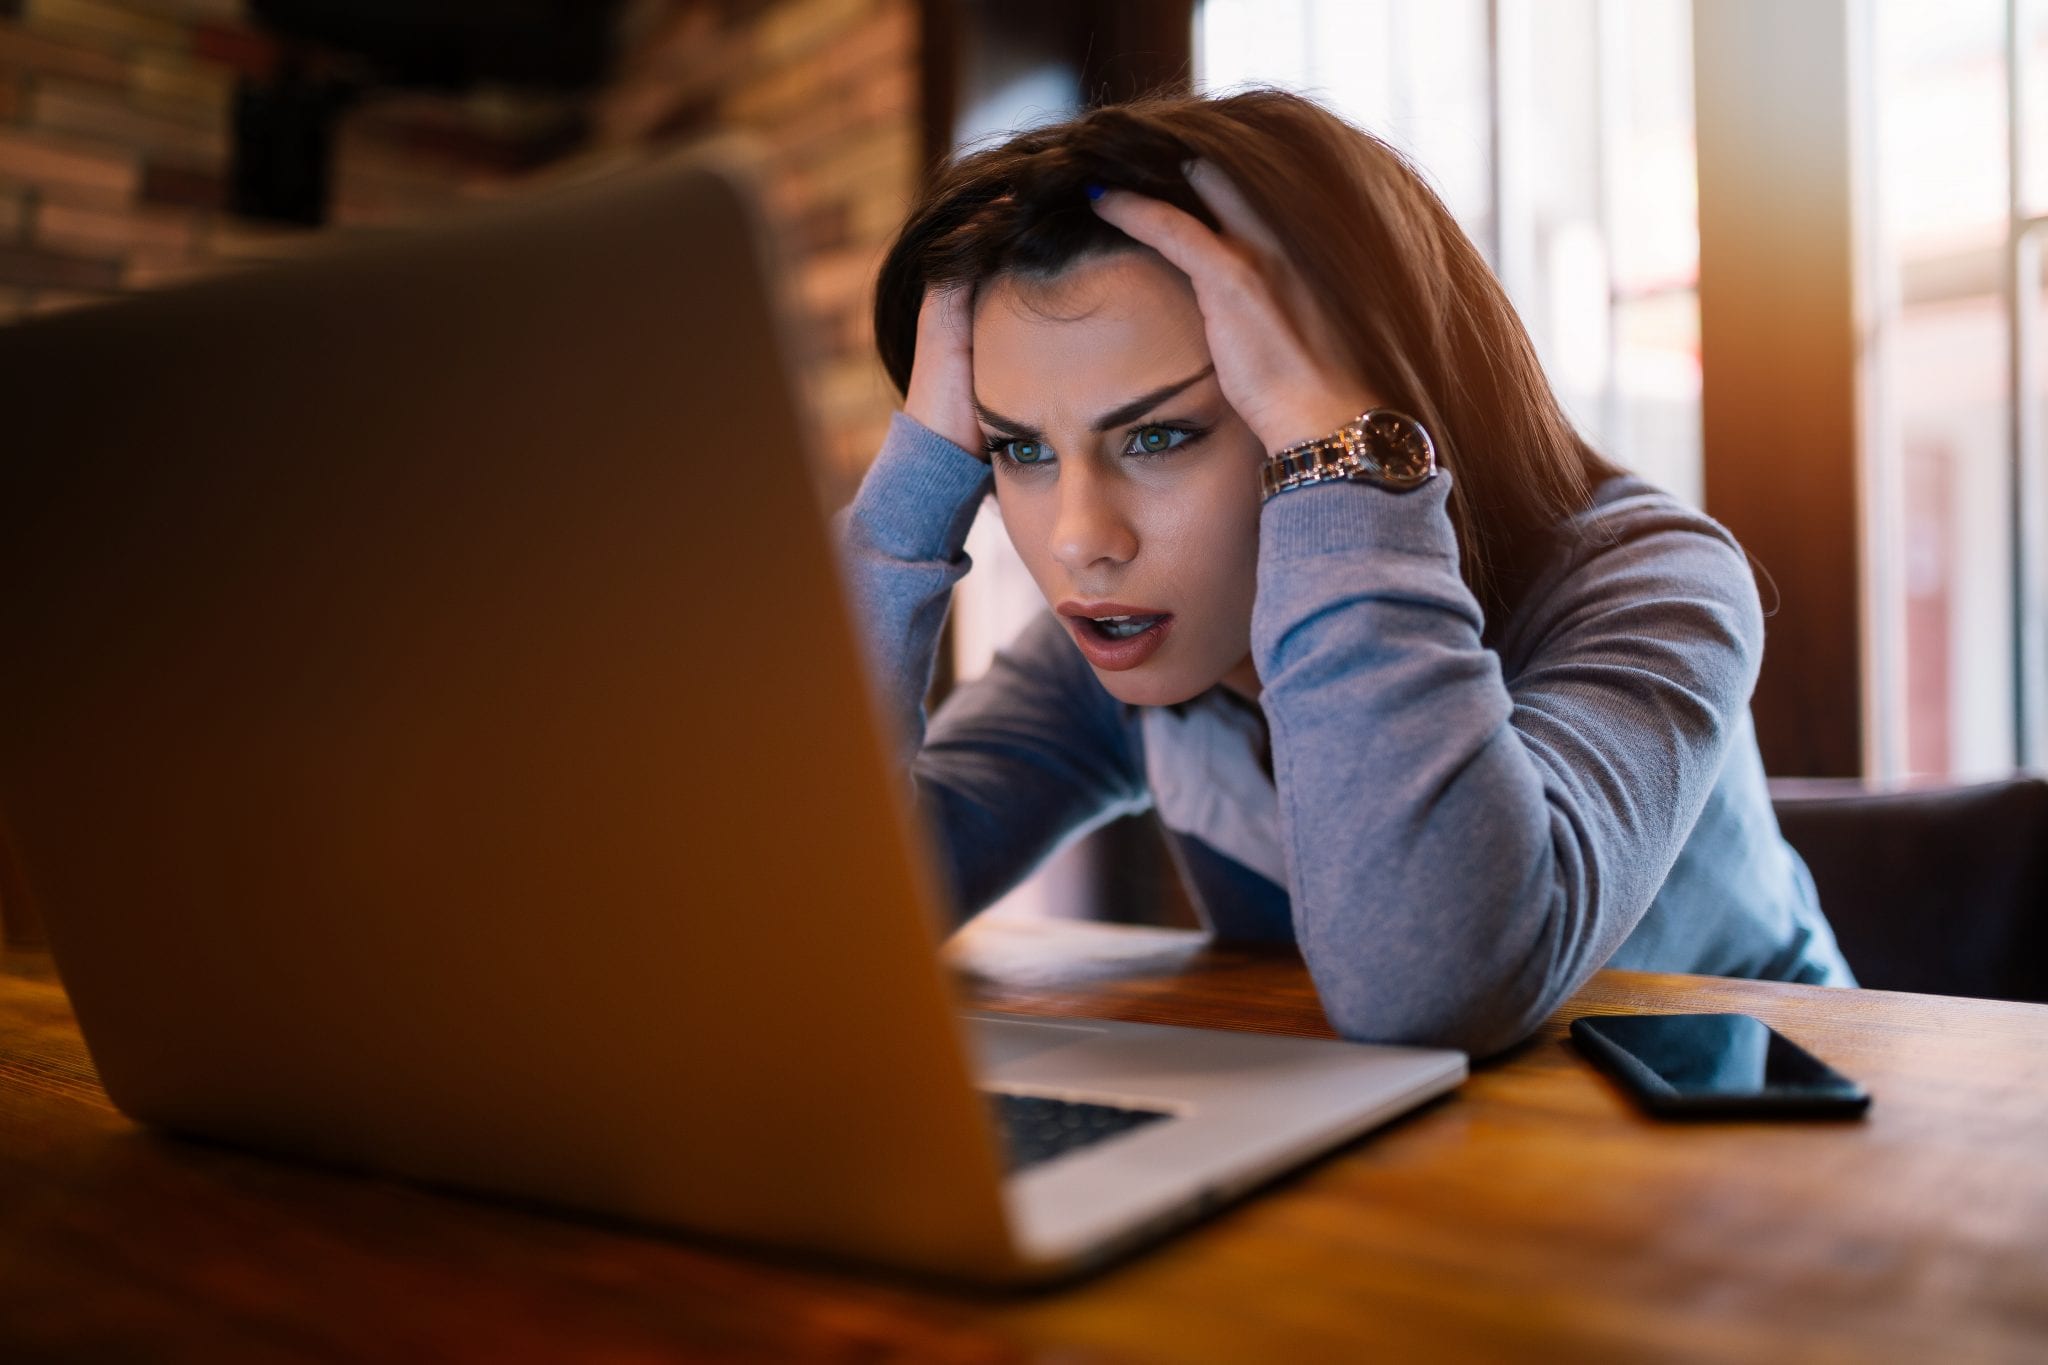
(1123, 627)
(1115, 636)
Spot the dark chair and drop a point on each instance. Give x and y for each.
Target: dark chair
(1939, 889)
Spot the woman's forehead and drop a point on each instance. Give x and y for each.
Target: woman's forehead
(1105, 329)
(1137, 277)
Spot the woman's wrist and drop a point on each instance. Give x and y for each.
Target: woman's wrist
(930, 422)
(1388, 449)
(921, 493)
(940, 396)
(1311, 417)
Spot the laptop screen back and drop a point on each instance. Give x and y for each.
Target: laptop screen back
(432, 731)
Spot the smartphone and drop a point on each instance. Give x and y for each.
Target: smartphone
(1715, 1066)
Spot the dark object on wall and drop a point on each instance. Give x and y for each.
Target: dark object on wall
(454, 44)
(284, 147)
(284, 120)
(1942, 890)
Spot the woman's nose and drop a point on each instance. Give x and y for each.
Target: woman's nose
(1090, 529)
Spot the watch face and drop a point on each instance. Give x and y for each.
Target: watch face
(1400, 447)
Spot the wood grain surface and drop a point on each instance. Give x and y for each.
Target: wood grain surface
(1532, 1215)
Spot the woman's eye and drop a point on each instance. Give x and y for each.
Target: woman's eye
(1157, 440)
(1014, 451)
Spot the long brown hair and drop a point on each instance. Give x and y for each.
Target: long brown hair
(1422, 318)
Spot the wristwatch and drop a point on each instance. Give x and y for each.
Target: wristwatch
(1382, 447)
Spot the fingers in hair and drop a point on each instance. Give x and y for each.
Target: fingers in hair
(1239, 219)
(1180, 237)
(946, 311)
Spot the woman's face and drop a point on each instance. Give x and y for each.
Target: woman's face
(1129, 487)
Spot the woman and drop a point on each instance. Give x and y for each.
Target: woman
(1410, 673)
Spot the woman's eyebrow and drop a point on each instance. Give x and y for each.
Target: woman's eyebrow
(1110, 420)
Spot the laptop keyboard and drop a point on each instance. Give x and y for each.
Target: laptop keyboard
(1035, 1129)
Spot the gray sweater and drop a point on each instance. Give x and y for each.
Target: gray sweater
(1455, 835)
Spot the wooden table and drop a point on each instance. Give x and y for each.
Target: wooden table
(1532, 1215)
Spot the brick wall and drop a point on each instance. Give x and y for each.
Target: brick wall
(114, 131)
(112, 147)
(830, 89)
(114, 119)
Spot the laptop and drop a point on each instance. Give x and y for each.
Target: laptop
(435, 735)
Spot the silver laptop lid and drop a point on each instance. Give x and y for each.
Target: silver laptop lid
(430, 727)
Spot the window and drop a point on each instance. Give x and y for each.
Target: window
(1948, 619)
(1561, 139)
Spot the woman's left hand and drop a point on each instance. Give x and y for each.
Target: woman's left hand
(1278, 361)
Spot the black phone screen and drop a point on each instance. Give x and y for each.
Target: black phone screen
(1715, 1064)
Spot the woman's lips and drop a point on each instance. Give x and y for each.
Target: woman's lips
(1107, 653)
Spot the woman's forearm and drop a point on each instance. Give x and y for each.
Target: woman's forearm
(901, 551)
(1016, 760)
(1462, 853)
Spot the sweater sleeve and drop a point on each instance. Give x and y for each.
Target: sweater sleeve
(1016, 762)
(902, 547)
(1462, 853)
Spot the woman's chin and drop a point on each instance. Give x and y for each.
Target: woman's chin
(1142, 686)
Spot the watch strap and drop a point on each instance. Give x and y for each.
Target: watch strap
(1382, 446)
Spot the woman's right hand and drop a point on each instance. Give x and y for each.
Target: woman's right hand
(941, 396)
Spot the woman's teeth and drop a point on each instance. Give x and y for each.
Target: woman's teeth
(1123, 627)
